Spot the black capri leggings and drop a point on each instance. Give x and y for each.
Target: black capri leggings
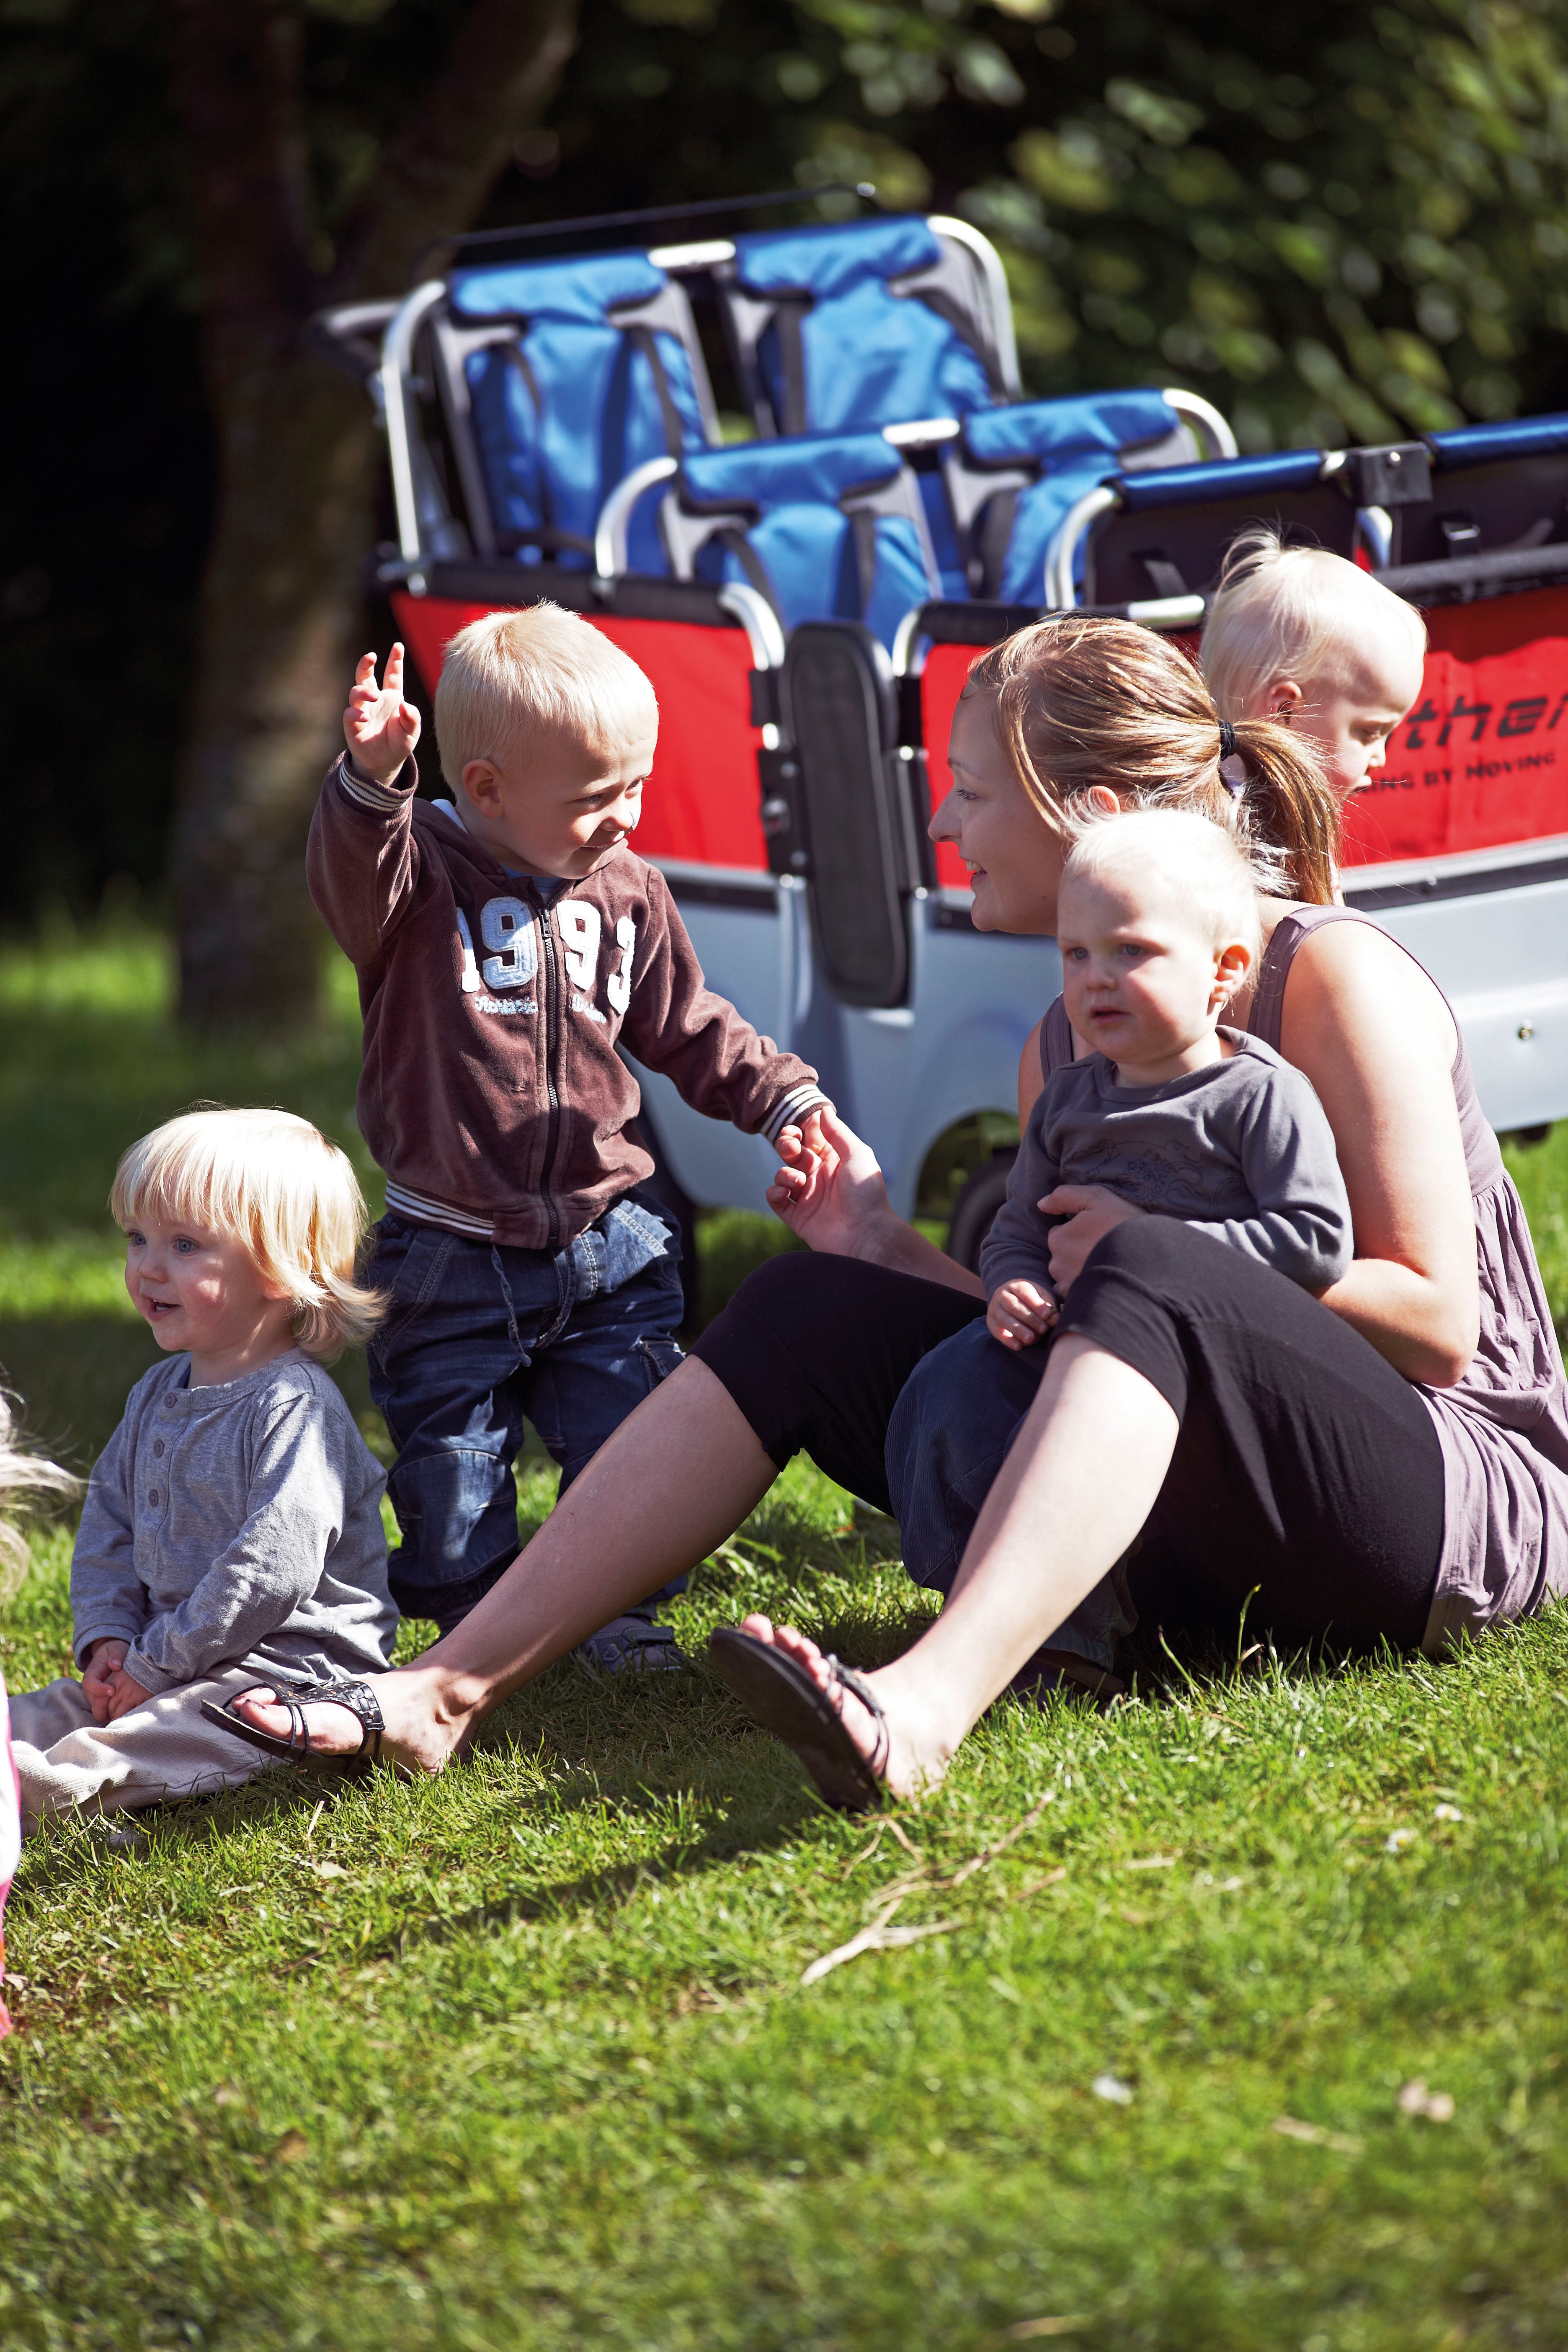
(1306, 1469)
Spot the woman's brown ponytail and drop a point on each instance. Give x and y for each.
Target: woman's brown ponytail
(1083, 700)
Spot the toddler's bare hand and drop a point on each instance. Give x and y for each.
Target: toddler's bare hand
(103, 1664)
(1019, 1313)
(379, 728)
(808, 1136)
(125, 1692)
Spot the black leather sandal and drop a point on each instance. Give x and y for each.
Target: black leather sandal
(785, 1701)
(358, 1698)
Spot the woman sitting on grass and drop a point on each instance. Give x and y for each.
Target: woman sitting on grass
(1388, 1463)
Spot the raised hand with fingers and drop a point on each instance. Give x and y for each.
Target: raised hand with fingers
(380, 728)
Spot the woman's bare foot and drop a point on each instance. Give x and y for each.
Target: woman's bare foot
(425, 1722)
(916, 1760)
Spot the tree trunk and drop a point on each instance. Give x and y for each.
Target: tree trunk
(281, 598)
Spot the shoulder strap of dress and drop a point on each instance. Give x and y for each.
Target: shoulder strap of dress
(1056, 1039)
(1268, 997)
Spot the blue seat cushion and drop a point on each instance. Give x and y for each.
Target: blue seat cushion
(868, 356)
(1076, 444)
(575, 405)
(810, 553)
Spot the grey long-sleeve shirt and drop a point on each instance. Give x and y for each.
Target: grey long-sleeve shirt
(1242, 1148)
(235, 1525)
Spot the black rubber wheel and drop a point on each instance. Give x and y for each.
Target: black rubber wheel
(985, 1190)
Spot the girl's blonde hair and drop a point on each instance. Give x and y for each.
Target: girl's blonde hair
(1206, 868)
(512, 677)
(1295, 611)
(26, 1479)
(1084, 700)
(273, 1183)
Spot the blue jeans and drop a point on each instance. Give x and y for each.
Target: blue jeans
(950, 1432)
(478, 1336)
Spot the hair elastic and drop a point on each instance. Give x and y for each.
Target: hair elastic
(1232, 769)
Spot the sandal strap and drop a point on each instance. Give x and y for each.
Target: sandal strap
(360, 1700)
(847, 1679)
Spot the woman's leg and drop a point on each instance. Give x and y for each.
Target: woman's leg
(811, 1353)
(1271, 1447)
(952, 1430)
(1063, 1509)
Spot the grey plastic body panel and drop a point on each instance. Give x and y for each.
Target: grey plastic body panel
(1500, 957)
(900, 1077)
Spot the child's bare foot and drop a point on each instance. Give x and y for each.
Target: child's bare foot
(424, 1726)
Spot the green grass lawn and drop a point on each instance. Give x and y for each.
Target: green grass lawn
(522, 2057)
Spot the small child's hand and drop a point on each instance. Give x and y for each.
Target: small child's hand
(125, 1692)
(379, 728)
(104, 1661)
(808, 1136)
(1019, 1313)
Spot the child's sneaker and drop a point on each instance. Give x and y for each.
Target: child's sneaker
(631, 1645)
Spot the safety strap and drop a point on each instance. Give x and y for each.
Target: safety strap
(791, 350)
(735, 542)
(953, 314)
(863, 528)
(647, 341)
(1164, 577)
(992, 533)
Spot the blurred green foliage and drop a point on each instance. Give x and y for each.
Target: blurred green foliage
(1340, 222)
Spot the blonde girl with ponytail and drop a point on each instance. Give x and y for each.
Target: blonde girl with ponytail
(1354, 1463)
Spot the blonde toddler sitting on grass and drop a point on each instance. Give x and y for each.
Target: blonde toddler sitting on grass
(232, 1526)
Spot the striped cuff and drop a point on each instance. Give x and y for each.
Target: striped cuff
(419, 1209)
(791, 1108)
(367, 793)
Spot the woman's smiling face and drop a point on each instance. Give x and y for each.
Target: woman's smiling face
(1014, 860)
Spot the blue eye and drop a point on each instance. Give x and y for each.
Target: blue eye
(184, 1247)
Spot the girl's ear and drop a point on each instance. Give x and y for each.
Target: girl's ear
(1283, 700)
(1232, 965)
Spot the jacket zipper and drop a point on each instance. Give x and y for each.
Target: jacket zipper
(549, 1006)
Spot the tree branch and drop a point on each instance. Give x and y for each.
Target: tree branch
(501, 72)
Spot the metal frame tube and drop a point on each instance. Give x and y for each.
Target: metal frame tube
(615, 514)
(399, 413)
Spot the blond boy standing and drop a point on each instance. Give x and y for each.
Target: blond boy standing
(507, 942)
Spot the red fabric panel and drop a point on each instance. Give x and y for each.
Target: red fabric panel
(942, 682)
(704, 802)
(1482, 760)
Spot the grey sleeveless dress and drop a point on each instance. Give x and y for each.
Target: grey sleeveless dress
(1503, 1429)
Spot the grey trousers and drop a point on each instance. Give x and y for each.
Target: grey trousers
(164, 1748)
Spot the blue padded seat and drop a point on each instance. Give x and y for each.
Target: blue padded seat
(826, 528)
(1015, 472)
(837, 329)
(567, 374)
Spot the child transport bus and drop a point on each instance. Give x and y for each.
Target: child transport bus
(807, 604)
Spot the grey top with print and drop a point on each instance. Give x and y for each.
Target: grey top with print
(235, 1525)
(1241, 1148)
